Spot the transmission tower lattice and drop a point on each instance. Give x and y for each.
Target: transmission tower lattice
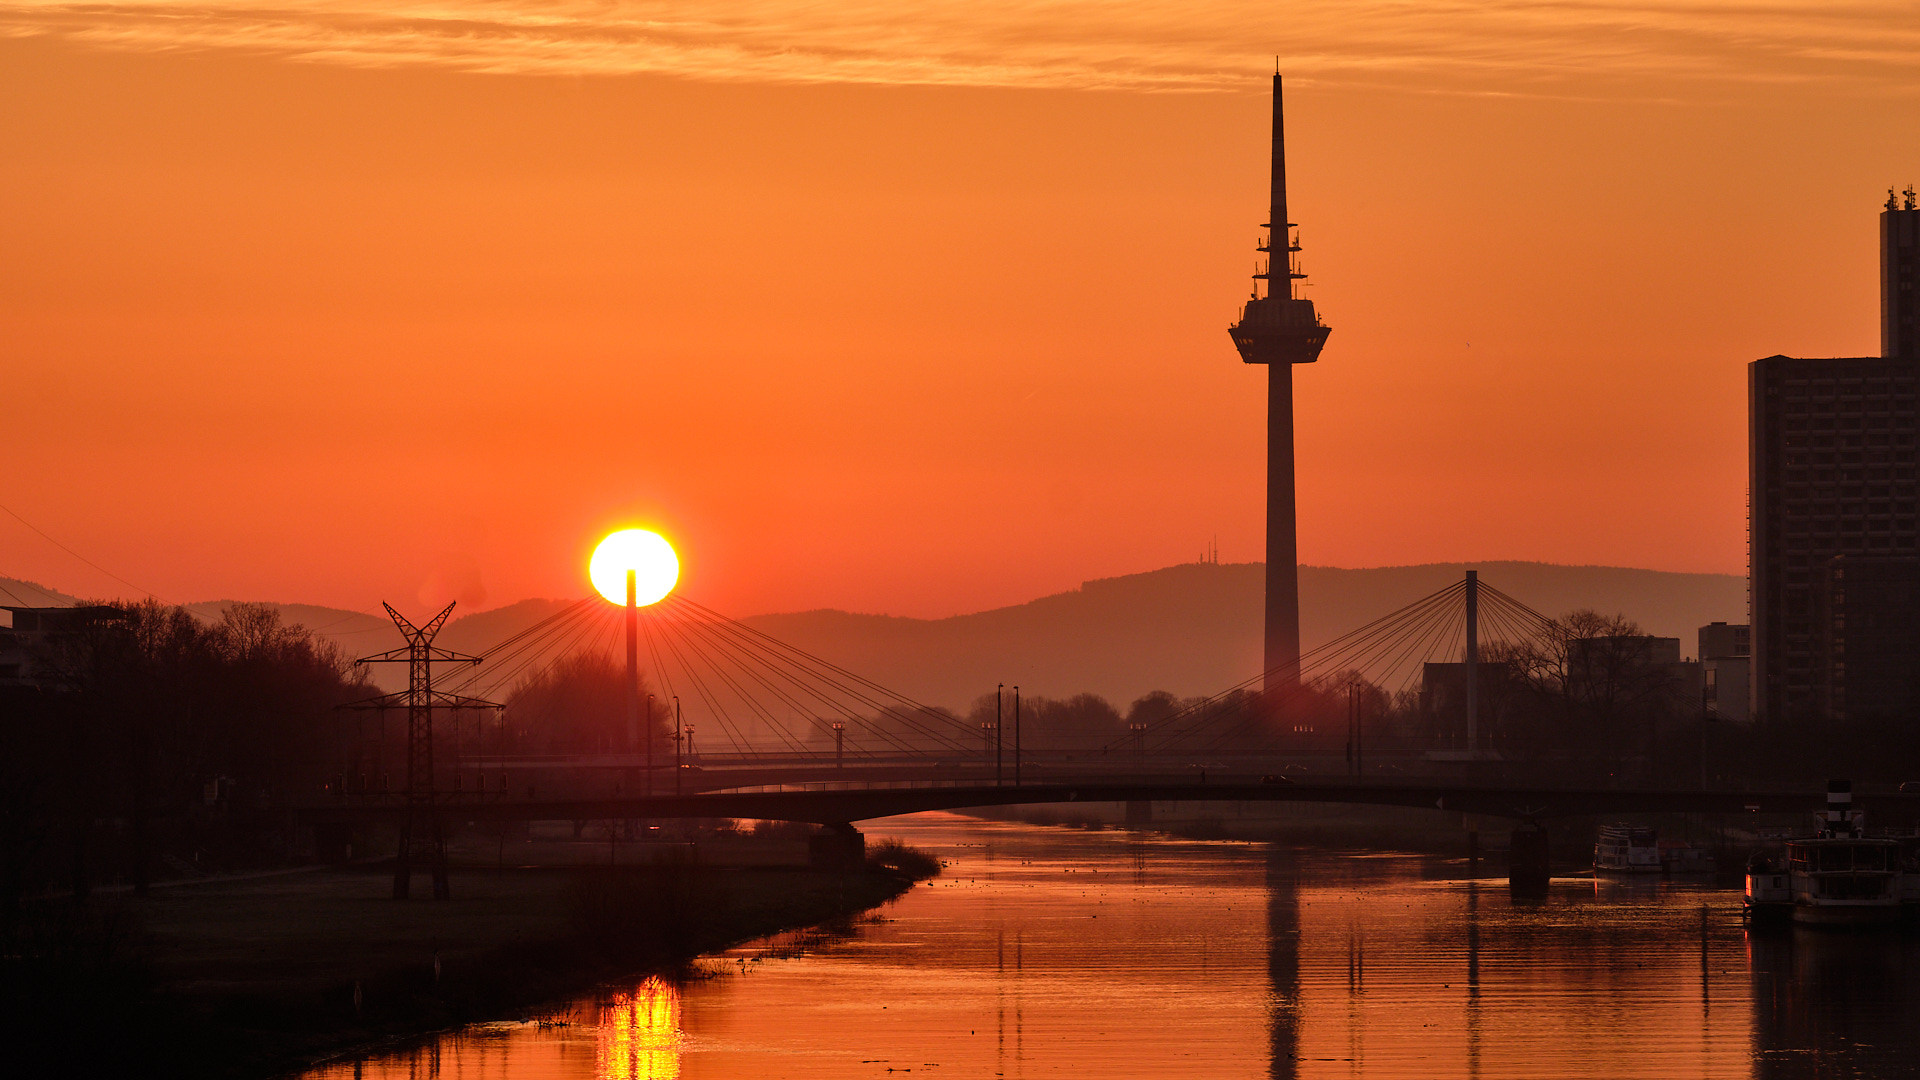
(422, 835)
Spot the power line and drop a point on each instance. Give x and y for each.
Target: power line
(82, 558)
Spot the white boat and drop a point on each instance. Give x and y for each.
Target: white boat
(1836, 877)
(1627, 849)
(1831, 880)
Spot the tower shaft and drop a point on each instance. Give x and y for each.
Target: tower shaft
(1279, 330)
(1282, 650)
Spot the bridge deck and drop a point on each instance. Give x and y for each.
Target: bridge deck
(839, 803)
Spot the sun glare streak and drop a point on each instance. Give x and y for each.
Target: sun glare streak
(656, 568)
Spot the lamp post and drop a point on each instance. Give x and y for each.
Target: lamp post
(999, 740)
(677, 741)
(1359, 736)
(1016, 736)
(1353, 727)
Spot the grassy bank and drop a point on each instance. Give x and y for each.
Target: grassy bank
(250, 978)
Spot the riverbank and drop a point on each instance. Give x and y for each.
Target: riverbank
(259, 977)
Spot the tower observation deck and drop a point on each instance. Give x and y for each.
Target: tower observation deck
(1280, 329)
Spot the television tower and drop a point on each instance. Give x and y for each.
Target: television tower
(1280, 330)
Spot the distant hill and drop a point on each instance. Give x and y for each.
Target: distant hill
(15, 592)
(1196, 628)
(360, 634)
(1190, 629)
(350, 629)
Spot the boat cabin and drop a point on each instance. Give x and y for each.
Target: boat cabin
(1843, 868)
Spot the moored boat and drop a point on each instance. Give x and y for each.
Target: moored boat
(1626, 849)
(1835, 878)
(1637, 849)
(1829, 880)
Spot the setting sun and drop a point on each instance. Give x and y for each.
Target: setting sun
(656, 568)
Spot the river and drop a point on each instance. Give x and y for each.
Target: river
(1056, 952)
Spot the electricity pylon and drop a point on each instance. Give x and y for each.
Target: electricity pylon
(421, 832)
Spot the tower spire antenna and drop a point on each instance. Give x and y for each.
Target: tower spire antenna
(1279, 229)
(1280, 330)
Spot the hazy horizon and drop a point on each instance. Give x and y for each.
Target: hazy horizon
(65, 596)
(1190, 628)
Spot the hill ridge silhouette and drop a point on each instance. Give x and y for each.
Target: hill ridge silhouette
(1192, 628)
(1195, 628)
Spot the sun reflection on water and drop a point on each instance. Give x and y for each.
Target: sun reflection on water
(640, 1033)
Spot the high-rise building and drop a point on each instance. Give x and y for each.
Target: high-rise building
(1831, 472)
(1832, 466)
(1867, 616)
(1280, 329)
(1899, 261)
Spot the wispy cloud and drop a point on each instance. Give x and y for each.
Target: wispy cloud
(1520, 46)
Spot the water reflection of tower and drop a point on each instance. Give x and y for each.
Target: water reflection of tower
(1283, 965)
(1001, 982)
(1473, 980)
(1280, 330)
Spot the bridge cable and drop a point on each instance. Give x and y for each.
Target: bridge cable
(788, 697)
(863, 689)
(767, 718)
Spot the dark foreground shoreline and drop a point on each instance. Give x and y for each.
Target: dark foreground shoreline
(268, 976)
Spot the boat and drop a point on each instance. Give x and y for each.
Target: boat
(1637, 849)
(1830, 880)
(1627, 849)
(1837, 877)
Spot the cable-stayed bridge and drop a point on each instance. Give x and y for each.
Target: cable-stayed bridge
(722, 695)
(793, 736)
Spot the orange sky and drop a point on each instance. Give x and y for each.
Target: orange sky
(916, 313)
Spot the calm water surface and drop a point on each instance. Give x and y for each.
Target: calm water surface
(1048, 952)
